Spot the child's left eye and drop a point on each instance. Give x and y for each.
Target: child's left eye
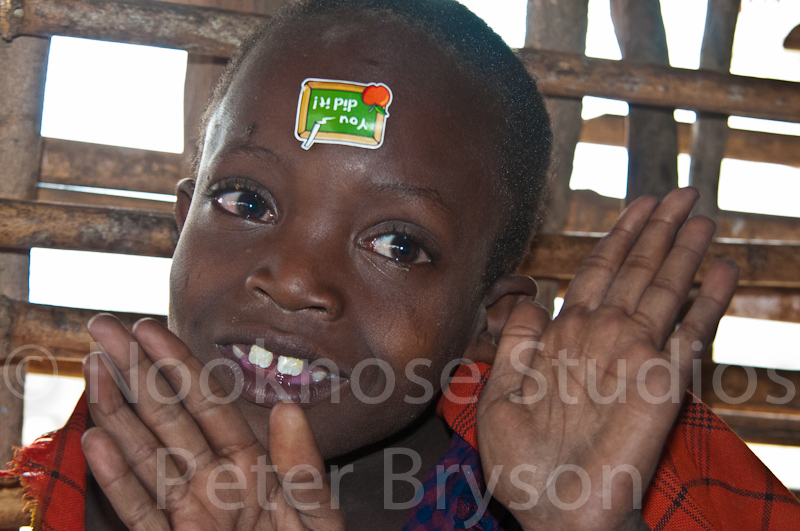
(246, 204)
(400, 248)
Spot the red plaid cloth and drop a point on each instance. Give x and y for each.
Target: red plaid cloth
(53, 472)
(707, 477)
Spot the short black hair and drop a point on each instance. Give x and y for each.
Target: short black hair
(525, 146)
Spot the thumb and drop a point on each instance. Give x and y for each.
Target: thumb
(301, 470)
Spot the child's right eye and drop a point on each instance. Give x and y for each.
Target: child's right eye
(245, 204)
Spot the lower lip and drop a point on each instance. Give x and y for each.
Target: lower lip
(267, 387)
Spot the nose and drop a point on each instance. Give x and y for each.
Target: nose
(296, 279)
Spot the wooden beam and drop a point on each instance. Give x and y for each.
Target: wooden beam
(12, 504)
(71, 197)
(764, 265)
(760, 405)
(210, 31)
(651, 132)
(22, 77)
(26, 224)
(98, 166)
(792, 41)
(764, 303)
(93, 165)
(710, 131)
(569, 75)
(61, 331)
(590, 212)
(761, 426)
(558, 26)
(206, 31)
(742, 145)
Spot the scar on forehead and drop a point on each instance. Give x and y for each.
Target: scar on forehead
(249, 131)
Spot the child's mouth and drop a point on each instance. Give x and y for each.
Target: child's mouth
(269, 378)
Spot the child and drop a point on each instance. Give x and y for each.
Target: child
(369, 180)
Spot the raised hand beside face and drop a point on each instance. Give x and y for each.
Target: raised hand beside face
(175, 454)
(588, 396)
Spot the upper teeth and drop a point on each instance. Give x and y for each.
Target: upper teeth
(290, 366)
(261, 357)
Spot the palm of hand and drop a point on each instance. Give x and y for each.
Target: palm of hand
(577, 410)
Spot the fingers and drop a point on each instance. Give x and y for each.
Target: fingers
(301, 470)
(698, 328)
(625, 261)
(152, 398)
(131, 438)
(655, 243)
(135, 507)
(518, 343)
(659, 306)
(597, 272)
(221, 424)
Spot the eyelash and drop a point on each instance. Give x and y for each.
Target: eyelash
(259, 198)
(420, 255)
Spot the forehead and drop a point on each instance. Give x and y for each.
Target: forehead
(440, 135)
(438, 115)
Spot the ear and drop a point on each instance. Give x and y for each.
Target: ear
(497, 304)
(184, 192)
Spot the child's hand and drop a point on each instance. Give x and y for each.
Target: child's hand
(617, 320)
(229, 484)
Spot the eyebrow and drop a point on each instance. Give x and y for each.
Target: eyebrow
(409, 190)
(252, 150)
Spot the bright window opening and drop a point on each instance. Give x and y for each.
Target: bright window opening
(100, 281)
(116, 94)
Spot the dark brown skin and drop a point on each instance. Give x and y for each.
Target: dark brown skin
(307, 274)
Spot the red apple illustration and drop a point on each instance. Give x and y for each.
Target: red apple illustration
(377, 95)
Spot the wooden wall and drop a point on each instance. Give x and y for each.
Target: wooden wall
(766, 247)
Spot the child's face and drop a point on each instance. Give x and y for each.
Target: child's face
(311, 278)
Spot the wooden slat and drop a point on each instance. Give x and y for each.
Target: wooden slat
(12, 514)
(93, 165)
(70, 197)
(215, 32)
(205, 31)
(563, 74)
(762, 427)
(651, 132)
(763, 303)
(742, 145)
(710, 131)
(792, 41)
(560, 256)
(591, 212)
(62, 331)
(558, 26)
(26, 224)
(98, 166)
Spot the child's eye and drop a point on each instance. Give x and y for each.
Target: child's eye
(246, 204)
(400, 248)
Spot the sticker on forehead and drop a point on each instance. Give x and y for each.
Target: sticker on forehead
(342, 112)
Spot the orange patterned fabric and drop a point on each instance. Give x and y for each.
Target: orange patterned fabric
(53, 472)
(707, 477)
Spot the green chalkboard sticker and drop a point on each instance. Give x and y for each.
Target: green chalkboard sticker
(342, 112)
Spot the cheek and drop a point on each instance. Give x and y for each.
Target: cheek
(201, 271)
(420, 336)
